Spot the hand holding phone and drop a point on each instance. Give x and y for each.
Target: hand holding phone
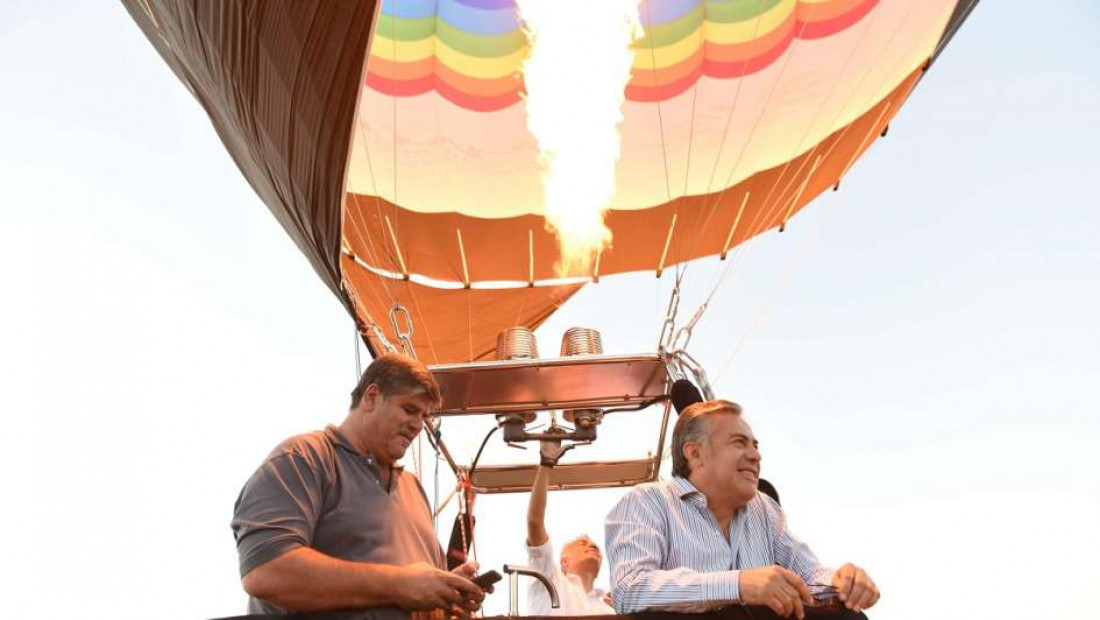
(487, 579)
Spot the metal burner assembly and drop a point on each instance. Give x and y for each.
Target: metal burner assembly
(584, 384)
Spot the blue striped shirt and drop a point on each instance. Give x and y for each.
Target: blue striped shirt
(667, 550)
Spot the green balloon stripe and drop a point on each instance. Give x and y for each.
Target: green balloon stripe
(482, 46)
(728, 11)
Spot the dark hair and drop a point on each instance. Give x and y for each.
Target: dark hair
(694, 426)
(395, 374)
(768, 489)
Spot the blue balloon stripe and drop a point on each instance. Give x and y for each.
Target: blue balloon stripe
(459, 14)
(409, 9)
(656, 12)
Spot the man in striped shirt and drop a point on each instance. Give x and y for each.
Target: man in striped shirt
(706, 538)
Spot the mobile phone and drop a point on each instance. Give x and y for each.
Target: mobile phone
(484, 580)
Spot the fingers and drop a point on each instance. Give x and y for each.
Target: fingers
(471, 605)
(786, 598)
(842, 579)
(864, 592)
(455, 600)
(797, 607)
(467, 570)
(855, 588)
(457, 612)
(792, 597)
(453, 592)
(466, 588)
(801, 590)
(779, 605)
(856, 595)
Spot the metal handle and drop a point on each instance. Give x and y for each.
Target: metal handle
(514, 572)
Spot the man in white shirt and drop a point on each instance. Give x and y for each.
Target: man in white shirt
(580, 562)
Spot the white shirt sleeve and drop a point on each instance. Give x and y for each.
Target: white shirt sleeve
(541, 558)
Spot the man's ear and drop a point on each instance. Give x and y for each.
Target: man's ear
(693, 452)
(371, 397)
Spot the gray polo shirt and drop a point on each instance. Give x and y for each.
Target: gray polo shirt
(316, 490)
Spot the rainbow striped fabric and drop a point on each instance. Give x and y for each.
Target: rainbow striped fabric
(471, 51)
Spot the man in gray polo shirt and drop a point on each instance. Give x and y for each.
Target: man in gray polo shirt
(330, 521)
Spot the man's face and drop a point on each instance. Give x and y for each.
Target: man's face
(730, 458)
(581, 557)
(394, 421)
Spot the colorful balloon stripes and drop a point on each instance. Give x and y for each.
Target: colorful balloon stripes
(471, 51)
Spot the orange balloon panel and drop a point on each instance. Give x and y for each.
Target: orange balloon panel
(519, 249)
(449, 325)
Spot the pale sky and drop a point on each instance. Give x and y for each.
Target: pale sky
(919, 353)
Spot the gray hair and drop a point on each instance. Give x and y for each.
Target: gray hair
(583, 538)
(694, 426)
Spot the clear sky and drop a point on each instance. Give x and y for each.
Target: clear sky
(919, 352)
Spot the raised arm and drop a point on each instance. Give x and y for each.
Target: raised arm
(536, 508)
(637, 537)
(549, 454)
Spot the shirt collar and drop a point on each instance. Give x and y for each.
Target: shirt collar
(687, 492)
(338, 439)
(684, 488)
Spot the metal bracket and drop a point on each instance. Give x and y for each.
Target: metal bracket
(668, 328)
(403, 335)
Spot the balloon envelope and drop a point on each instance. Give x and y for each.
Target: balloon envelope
(391, 140)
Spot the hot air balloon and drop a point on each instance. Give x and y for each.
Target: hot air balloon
(390, 139)
(398, 145)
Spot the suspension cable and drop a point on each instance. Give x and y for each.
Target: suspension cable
(765, 211)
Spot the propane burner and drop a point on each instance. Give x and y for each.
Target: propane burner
(517, 343)
(581, 341)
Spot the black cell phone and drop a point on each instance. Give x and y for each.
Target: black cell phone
(484, 580)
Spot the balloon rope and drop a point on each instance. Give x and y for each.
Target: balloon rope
(470, 324)
(681, 271)
(836, 117)
(765, 305)
(806, 132)
(358, 362)
(764, 216)
(374, 252)
(736, 97)
(660, 117)
(360, 226)
(756, 122)
(435, 515)
(423, 323)
(873, 129)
